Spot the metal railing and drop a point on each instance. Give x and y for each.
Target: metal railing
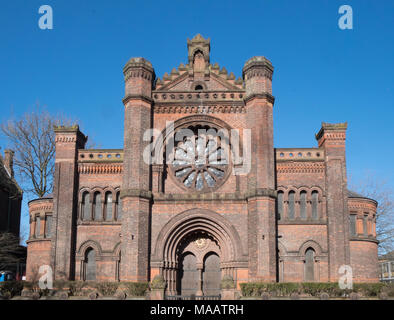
(192, 297)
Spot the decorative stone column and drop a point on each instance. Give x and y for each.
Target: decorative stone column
(200, 269)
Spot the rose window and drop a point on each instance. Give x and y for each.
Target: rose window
(201, 161)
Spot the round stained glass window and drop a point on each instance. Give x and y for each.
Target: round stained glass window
(201, 160)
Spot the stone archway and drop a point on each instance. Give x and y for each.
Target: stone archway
(204, 235)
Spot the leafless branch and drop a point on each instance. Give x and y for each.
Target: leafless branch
(33, 140)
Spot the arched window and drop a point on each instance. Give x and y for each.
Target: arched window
(118, 207)
(97, 208)
(315, 202)
(303, 204)
(352, 224)
(48, 226)
(309, 265)
(291, 204)
(90, 264)
(85, 207)
(280, 205)
(199, 87)
(38, 226)
(108, 206)
(198, 62)
(365, 227)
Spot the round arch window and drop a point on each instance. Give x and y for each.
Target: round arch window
(200, 160)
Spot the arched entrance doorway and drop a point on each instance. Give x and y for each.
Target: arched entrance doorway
(199, 271)
(194, 250)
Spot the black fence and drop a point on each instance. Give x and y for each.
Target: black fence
(192, 297)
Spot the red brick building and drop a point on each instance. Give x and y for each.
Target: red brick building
(206, 204)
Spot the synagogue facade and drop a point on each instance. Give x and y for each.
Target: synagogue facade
(204, 195)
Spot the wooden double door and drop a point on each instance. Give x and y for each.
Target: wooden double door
(199, 278)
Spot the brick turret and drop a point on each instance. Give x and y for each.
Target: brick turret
(257, 74)
(332, 138)
(136, 190)
(68, 140)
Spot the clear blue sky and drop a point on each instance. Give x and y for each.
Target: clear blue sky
(322, 73)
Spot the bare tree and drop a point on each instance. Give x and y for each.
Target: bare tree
(10, 250)
(33, 140)
(378, 189)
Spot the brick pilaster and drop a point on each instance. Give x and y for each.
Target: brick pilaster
(68, 141)
(136, 185)
(257, 74)
(332, 138)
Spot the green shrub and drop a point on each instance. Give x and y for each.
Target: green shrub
(136, 289)
(11, 288)
(31, 285)
(158, 282)
(256, 289)
(227, 282)
(60, 284)
(369, 289)
(389, 289)
(107, 288)
(284, 288)
(316, 288)
(75, 288)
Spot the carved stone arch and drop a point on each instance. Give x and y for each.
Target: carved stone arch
(303, 188)
(94, 190)
(201, 220)
(319, 193)
(310, 244)
(89, 244)
(82, 190)
(319, 190)
(211, 251)
(290, 189)
(284, 190)
(116, 250)
(200, 49)
(108, 189)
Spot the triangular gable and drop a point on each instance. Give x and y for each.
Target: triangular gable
(215, 79)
